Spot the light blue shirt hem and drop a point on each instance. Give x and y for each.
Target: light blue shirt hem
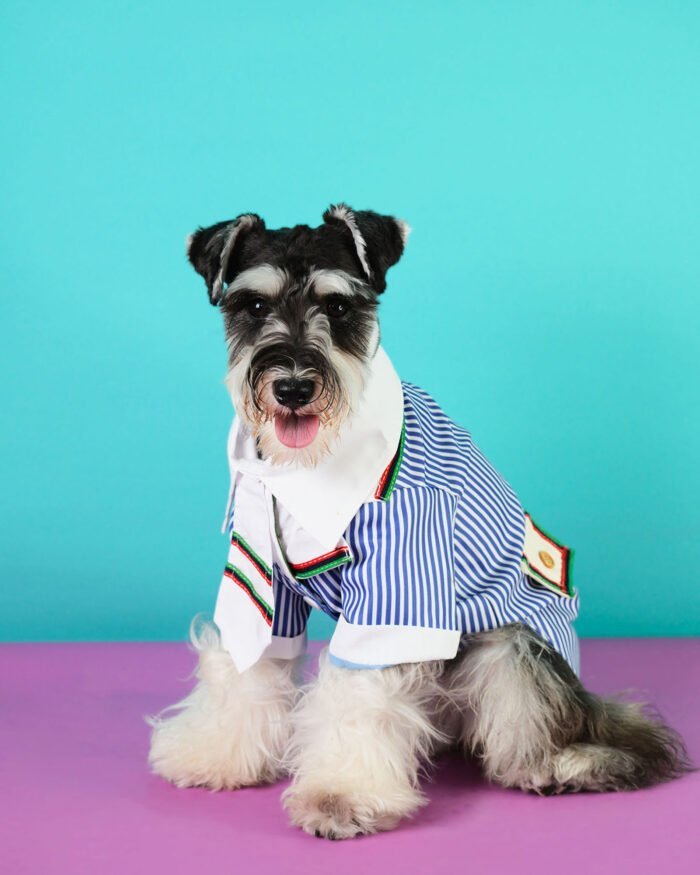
(344, 663)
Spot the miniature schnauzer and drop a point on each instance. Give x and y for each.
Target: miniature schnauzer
(450, 633)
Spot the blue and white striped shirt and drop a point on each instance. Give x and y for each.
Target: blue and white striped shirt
(436, 555)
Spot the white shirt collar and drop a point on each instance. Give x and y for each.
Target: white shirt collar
(324, 499)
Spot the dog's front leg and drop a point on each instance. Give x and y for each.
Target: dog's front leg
(232, 729)
(359, 737)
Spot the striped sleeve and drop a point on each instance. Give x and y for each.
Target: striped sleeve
(398, 594)
(291, 611)
(402, 571)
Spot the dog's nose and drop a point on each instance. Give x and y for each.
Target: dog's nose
(293, 392)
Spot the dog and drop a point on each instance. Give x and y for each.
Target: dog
(355, 494)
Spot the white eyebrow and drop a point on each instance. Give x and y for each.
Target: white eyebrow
(332, 282)
(265, 279)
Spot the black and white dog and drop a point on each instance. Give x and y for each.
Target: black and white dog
(357, 495)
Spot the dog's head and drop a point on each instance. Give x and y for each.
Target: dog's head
(300, 315)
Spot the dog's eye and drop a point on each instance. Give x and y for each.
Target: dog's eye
(258, 307)
(336, 307)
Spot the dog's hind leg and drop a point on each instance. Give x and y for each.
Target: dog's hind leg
(232, 729)
(358, 741)
(534, 726)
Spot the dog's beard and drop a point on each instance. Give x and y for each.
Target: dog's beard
(334, 403)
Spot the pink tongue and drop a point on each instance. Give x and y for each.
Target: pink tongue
(295, 431)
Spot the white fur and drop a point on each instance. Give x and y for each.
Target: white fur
(511, 711)
(265, 279)
(589, 766)
(508, 722)
(231, 730)
(332, 282)
(345, 214)
(351, 372)
(404, 230)
(356, 740)
(359, 740)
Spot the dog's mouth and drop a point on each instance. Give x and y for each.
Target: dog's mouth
(296, 431)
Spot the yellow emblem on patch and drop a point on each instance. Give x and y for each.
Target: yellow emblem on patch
(545, 560)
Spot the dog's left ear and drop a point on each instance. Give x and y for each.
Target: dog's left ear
(378, 240)
(213, 252)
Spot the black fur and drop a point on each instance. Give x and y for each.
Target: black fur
(300, 248)
(206, 245)
(383, 239)
(650, 752)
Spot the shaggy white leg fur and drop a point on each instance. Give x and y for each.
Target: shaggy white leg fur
(534, 725)
(512, 708)
(232, 729)
(359, 739)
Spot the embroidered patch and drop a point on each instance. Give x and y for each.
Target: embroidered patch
(237, 576)
(545, 560)
(391, 472)
(336, 557)
(250, 554)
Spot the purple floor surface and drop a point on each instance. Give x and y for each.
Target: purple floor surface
(77, 796)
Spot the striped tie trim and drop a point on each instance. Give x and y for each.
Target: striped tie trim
(321, 563)
(237, 576)
(391, 472)
(248, 552)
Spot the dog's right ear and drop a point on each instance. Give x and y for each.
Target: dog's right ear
(378, 240)
(214, 252)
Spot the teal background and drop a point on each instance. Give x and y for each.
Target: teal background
(546, 155)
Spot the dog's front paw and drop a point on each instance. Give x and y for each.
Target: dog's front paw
(192, 753)
(330, 815)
